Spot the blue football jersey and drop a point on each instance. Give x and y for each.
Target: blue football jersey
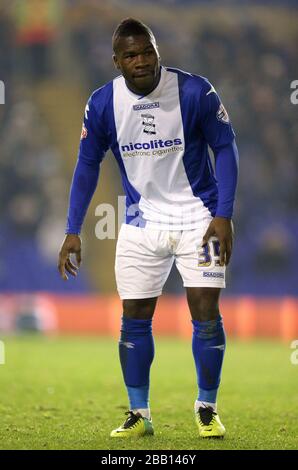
(160, 142)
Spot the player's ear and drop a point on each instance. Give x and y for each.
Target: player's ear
(116, 63)
(157, 51)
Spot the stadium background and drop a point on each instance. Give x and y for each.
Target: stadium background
(63, 389)
(53, 55)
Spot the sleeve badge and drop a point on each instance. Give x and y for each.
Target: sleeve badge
(222, 114)
(84, 132)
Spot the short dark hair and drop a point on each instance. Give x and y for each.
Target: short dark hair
(130, 27)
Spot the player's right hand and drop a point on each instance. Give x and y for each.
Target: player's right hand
(71, 244)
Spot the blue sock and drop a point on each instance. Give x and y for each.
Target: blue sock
(136, 351)
(208, 347)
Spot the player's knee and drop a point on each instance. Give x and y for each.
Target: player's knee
(142, 309)
(203, 303)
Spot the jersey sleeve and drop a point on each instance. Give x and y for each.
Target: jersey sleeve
(93, 146)
(226, 168)
(214, 119)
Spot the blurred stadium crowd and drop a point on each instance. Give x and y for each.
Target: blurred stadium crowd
(248, 53)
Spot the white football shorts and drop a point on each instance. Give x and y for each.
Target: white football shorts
(144, 258)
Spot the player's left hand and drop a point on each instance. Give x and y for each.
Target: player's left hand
(223, 229)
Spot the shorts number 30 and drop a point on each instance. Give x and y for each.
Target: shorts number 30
(207, 252)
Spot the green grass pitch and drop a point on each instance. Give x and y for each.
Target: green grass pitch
(67, 393)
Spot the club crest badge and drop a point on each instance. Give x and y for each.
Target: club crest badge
(148, 123)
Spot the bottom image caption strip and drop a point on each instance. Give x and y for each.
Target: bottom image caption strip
(149, 459)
